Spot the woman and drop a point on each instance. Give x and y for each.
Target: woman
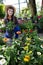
(10, 17)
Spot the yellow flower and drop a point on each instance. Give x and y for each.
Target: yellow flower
(27, 43)
(29, 39)
(26, 48)
(30, 52)
(5, 39)
(27, 58)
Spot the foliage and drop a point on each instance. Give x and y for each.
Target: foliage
(2, 11)
(10, 25)
(25, 51)
(41, 12)
(41, 22)
(1, 41)
(25, 12)
(2, 25)
(26, 25)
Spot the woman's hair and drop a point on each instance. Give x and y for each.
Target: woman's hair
(10, 7)
(13, 18)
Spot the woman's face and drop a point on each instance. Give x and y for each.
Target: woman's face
(10, 12)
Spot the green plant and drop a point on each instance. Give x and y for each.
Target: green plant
(25, 12)
(1, 41)
(2, 11)
(41, 22)
(2, 25)
(26, 25)
(27, 51)
(10, 25)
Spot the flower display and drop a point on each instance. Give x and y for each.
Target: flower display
(28, 39)
(1, 56)
(25, 51)
(27, 58)
(5, 39)
(41, 45)
(2, 61)
(27, 44)
(31, 31)
(38, 53)
(30, 52)
(2, 24)
(25, 47)
(10, 25)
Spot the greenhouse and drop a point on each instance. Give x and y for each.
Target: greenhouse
(21, 32)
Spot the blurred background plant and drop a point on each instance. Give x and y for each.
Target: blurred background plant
(2, 11)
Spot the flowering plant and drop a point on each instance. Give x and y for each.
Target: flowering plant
(10, 25)
(2, 25)
(25, 51)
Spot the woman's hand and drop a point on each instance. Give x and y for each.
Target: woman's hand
(18, 32)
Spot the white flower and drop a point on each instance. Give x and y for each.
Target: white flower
(38, 53)
(3, 48)
(3, 25)
(40, 39)
(2, 61)
(1, 56)
(1, 21)
(15, 41)
(42, 46)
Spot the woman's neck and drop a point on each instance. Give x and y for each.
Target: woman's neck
(9, 17)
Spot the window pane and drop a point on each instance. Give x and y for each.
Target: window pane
(17, 10)
(10, 2)
(22, 5)
(15, 1)
(22, 1)
(16, 6)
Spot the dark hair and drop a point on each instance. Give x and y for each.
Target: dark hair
(10, 7)
(13, 18)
